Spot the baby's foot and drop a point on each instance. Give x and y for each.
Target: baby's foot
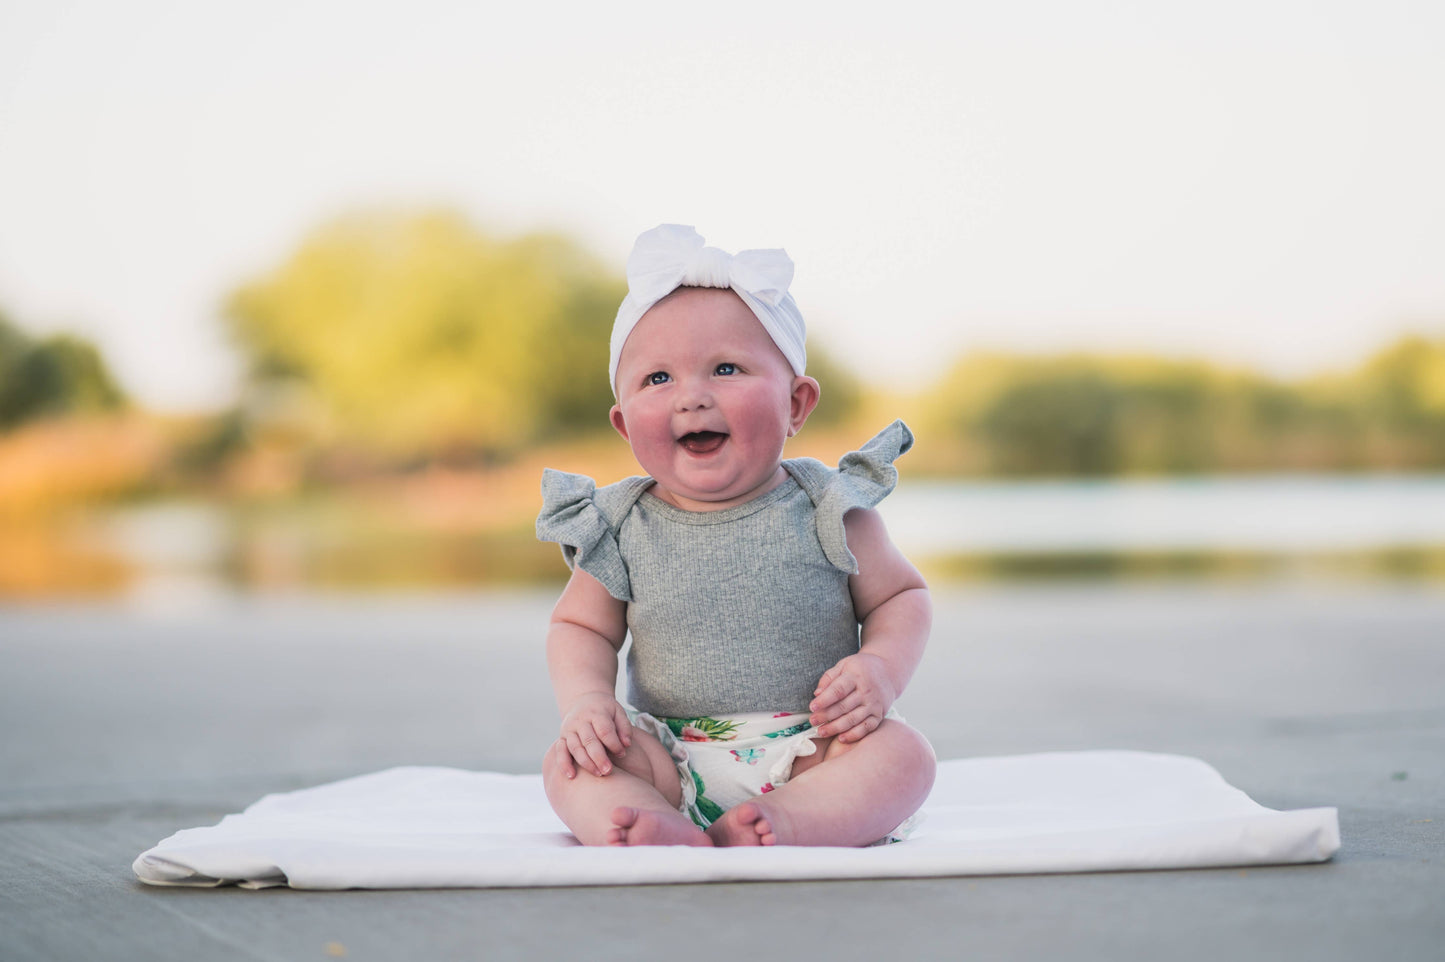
(640, 826)
(752, 823)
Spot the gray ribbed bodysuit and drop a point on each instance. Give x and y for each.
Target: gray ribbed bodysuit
(731, 611)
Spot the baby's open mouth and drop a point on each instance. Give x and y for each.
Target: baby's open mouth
(702, 442)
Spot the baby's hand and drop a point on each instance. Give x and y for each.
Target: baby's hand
(595, 725)
(852, 697)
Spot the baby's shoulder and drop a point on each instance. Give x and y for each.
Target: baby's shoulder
(584, 520)
(862, 479)
(565, 494)
(867, 472)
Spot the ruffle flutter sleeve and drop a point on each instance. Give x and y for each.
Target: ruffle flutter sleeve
(571, 517)
(864, 478)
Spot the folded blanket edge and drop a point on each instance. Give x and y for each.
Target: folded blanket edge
(1300, 836)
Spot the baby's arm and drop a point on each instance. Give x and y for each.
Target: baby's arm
(587, 630)
(894, 609)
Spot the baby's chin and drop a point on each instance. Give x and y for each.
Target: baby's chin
(698, 496)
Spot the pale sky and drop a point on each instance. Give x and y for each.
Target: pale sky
(1253, 182)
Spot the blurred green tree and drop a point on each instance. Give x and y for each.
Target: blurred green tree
(1403, 385)
(414, 335)
(1098, 415)
(841, 393)
(1400, 394)
(1054, 422)
(61, 374)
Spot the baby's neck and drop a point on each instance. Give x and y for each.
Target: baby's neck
(778, 478)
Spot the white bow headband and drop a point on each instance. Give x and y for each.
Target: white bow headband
(672, 256)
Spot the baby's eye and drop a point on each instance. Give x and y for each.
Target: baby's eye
(726, 368)
(658, 377)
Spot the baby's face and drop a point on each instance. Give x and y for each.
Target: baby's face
(706, 400)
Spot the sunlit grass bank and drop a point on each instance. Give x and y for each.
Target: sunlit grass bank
(1426, 565)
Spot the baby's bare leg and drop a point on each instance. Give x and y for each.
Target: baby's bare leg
(855, 795)
(636, 804)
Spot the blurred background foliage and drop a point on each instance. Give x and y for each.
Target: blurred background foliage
(410, 337)
(393, 339)
(1084, 415)
(395, 342)
(422, 371)
(54, 376)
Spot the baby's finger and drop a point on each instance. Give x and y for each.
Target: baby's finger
(624, 727)
(610, 736)
(832, 693)
(855, 725)
(596, 751)
(827, 678)
(564, 758)
(838, 709)
(580, 755)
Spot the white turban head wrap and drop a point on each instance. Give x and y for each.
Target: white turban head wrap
(672, 256)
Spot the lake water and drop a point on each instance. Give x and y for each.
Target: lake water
(1264, 514)
(1379, 526)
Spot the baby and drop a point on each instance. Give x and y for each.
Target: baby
(773, 622)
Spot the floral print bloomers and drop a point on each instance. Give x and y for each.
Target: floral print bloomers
(723, 762)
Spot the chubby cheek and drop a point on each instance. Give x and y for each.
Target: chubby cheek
(652, 453)
(764, 424)
(649, 435)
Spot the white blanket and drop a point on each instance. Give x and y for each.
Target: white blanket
(445, 828)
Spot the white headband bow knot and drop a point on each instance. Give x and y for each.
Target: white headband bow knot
(673, 255)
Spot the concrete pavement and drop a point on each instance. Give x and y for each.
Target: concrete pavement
(123, 725)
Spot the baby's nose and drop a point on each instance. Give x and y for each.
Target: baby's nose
(693, 397)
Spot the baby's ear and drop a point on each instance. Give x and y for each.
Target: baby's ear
(618, 424)
(804, 399)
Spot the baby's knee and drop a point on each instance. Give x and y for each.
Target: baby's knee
(907, 744)
(912, 742)
(918, 765)
(902, 747)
